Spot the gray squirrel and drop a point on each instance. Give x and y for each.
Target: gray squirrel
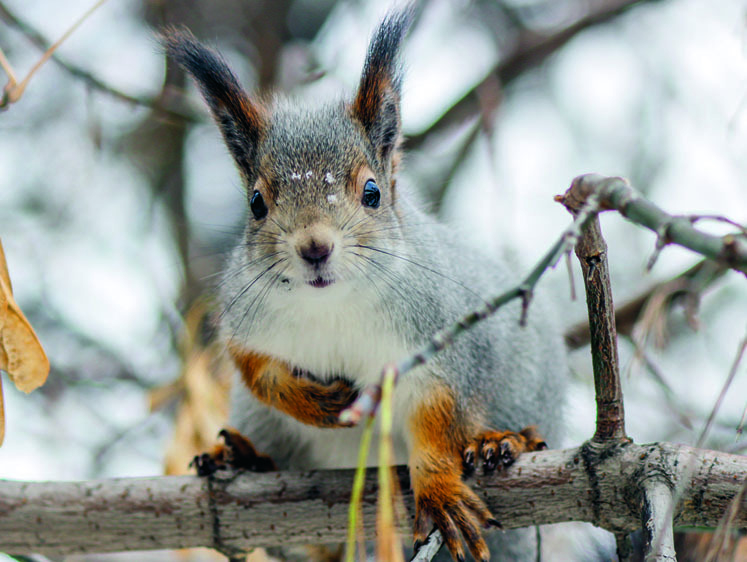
(339, 273)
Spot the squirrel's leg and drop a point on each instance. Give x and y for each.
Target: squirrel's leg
(296, 393)
(439, 438)
(235, 451)
(496, 449)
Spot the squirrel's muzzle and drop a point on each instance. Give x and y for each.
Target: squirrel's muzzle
(315, 253)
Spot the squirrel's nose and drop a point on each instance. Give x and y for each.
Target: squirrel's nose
(316, 253)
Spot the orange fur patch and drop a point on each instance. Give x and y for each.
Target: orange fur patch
(274, 383)
(370, 95)
(440, 435)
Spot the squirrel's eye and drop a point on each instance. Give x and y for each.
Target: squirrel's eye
(257, 204)
(371, 194)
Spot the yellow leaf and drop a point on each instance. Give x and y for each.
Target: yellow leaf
(21, 354)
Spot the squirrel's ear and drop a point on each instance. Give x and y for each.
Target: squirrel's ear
(241, 122)
(377, 103)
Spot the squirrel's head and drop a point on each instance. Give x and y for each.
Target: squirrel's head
(320, 181)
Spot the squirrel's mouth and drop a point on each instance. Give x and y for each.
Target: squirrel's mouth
(320, 282)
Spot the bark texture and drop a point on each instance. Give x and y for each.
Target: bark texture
(601, 484)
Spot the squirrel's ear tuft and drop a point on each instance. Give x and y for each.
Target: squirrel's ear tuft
(241, 122)
(377, 103)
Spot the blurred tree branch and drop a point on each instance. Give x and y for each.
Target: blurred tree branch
(43, 44)
(529, 50)
(685, 289)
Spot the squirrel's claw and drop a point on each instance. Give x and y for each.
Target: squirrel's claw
(455, 510)
(235, 452)
(469, 458)
(500, 449)
(205, 464)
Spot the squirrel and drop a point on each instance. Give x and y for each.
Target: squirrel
(338, 273)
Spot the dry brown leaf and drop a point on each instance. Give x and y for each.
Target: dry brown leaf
(21, 355)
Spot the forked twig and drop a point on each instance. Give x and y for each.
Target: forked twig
(13, 90)
(38, 40)
(617, 194)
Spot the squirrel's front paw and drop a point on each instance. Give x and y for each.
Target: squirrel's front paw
(499, 449)
(454, 509)
(236, 451)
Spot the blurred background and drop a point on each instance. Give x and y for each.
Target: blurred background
(118, 200)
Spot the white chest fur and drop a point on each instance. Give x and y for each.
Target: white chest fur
(336, 331)
(329, 331)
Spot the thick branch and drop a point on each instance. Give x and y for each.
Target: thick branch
(593, 483)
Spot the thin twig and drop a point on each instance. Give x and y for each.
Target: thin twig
(724, 389)
(617, 194)
(50, 51)
(14, 90)
(43, 44)
(717, 218)
(12, 80)
(430, 547)
(367, 402)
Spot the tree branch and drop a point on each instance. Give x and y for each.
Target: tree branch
(687, 286)
(591, 251)
(530, 49)
(658, 536)
(233, 513)
(43, 44)
(617, 194)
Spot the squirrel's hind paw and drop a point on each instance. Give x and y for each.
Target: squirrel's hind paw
(499, 449)
(455, 510)
(236, 451)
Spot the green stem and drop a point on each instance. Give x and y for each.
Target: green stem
(358, 484)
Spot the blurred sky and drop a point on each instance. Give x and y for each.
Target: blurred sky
(659, 95)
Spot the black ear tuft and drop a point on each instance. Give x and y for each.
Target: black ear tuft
(377, 103)
(240, 121)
